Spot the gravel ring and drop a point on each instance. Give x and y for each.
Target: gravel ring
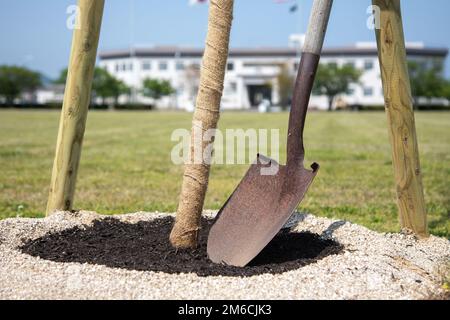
(372, 266)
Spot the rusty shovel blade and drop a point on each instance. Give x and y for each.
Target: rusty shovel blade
(258, 208)
(264, 200)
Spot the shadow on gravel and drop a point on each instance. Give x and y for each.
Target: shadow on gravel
(144, 246)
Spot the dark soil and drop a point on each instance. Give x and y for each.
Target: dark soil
(144, 246)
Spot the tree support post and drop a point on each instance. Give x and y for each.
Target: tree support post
(76, 104)
(399, 109)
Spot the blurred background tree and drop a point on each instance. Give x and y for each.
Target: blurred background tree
(426, 81)
(105, 86)
(285, 86)
(15, 81)
(332, 80)
(62, 77)
(446, 90)
(157, 89)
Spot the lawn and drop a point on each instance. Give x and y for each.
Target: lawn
(126, 165)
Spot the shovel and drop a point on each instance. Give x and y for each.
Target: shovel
(262, 203)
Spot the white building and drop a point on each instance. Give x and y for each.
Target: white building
(52, 93)
(251, 72)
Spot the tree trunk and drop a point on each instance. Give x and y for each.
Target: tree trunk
(113, 106)
(330, 103)
(196, 175)
(415, 103)
(10, 100)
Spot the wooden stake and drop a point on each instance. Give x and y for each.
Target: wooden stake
(401, 123)
(75, 106)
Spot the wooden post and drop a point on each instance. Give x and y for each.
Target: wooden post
(75, 106)
(401, 123)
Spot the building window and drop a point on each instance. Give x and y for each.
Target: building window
(180, 66)
(117, 67)
(368, 65)
(230, 66)
(296, 66)
(350, 91)
(368, 92)
(130, 66)
(163, 66)
(146, 65)
(260, 65)
(124, 67)
(232, 87)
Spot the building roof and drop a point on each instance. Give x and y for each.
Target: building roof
(186, 52)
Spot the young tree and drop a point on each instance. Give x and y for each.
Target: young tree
(285, 86)
(426, 81)
(104, 84)
(107, 86)
(446, 90)
(157, 89)
(332, 80)
(207, 110)
(120, 89)
(62, 78)
(16, 80)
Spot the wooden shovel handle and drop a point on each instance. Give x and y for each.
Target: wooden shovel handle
(305, 79)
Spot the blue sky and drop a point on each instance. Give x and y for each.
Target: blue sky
(34, 33)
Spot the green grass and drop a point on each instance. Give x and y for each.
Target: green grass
(126, 165)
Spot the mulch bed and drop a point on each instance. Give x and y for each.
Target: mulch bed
(144, 246)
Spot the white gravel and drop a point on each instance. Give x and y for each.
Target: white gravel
(372, 266)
